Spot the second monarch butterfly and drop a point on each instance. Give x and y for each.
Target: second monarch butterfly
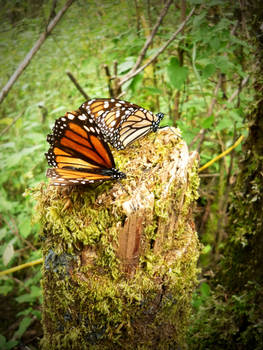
(121, 122)
(78, 153)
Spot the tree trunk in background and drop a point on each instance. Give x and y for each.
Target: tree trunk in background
(231, 316)
(244, 250)
(120, 267)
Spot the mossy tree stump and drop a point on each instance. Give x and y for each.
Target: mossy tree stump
(120, 261)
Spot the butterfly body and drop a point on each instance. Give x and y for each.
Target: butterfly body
(78, 152)
(121, 122)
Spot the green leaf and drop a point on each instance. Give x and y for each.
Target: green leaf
(8, 253)
(205, 289)
(25, 298)
(59, 109)
(177, 74)
(24, 312)
(24, 324)
(208, 70)
(197, 302)
(224, 64)
(126, 65)
(153, 90)
(35, 293)
(15, 158)
(5, 289)
(24, 225)
(6, 345)
(136, 82)
(206, 249)
(11, 344)
(6, 121)
(223, 124)
(208, 122)
(2, 341)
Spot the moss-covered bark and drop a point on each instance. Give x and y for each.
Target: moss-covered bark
(244, 251)
(231, 318)
(120, 262)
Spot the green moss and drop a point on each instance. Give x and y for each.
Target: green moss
(88, 299)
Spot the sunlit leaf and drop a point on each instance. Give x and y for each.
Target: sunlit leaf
(8, 254)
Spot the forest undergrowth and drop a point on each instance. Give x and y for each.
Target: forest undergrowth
(201, 82)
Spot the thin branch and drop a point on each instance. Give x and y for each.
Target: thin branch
(44, 112)
(150, 38)
(209, 175)
(21, 267)
(137, 17)
(15, 231)
(149, 12)
(180, 28)
(109, 78)
(115, 69)
(33, 51)
(52, 12)
(221, 155)
(11, 124)
(74, 81)
(237, 91)
(214, 99)
(18, 234)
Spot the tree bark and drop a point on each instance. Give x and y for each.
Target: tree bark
(244, 249)
(231, 317)
(120, 261)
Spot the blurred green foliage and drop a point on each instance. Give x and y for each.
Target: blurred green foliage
(91, 34)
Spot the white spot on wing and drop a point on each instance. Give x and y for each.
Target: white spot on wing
(71, 116)
(82, 117)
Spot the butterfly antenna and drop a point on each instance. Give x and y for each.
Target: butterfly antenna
(119, 182)
(177, 133)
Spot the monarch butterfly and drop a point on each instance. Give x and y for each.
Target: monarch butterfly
(121, 122)
(78, 153)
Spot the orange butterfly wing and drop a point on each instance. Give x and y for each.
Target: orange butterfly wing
(78, 152)
(121, 122)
